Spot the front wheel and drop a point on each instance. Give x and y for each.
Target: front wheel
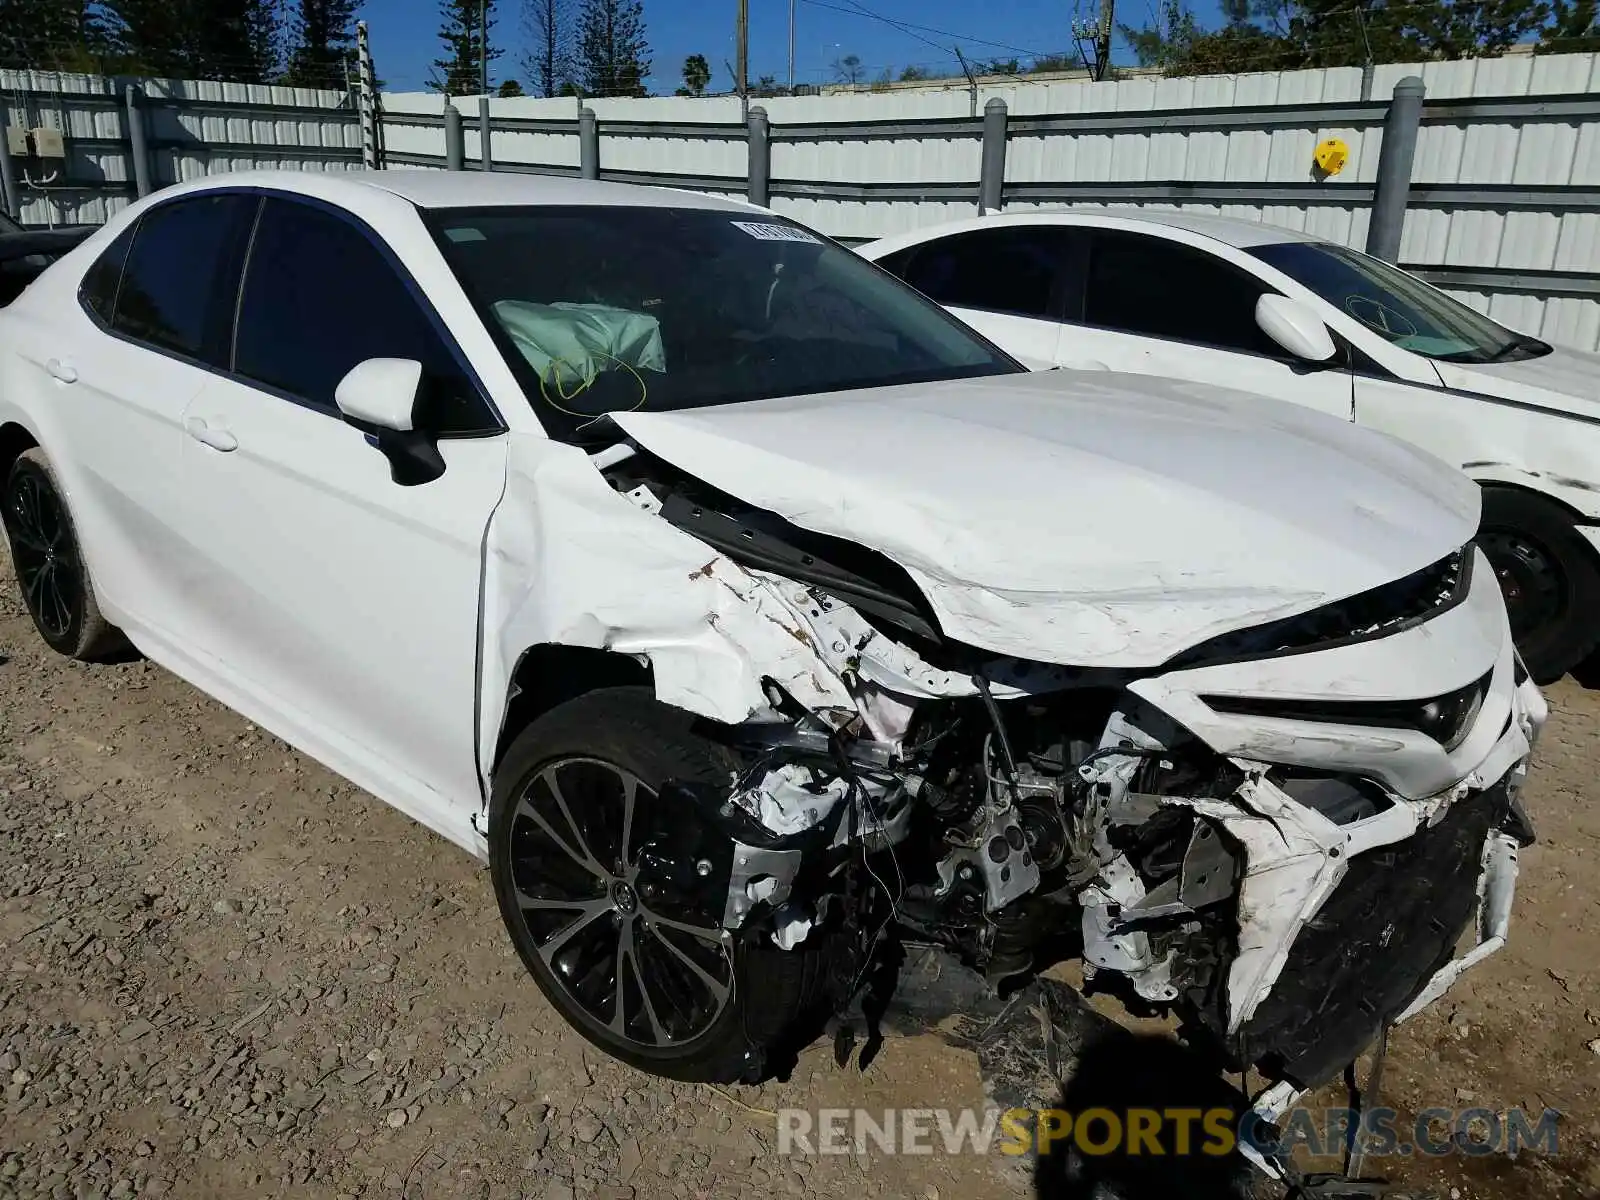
(48, 559)
(612, 884)
(1550, 579)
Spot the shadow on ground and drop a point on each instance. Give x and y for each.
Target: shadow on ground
(1121, 1072)
(1030, 1042)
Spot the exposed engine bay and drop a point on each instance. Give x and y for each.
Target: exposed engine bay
(1286, 872)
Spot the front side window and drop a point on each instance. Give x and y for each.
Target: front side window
(320, 297)
(182, 273)
(1012, 269)
(1160, 288)
(608, 309)
(1398, 306)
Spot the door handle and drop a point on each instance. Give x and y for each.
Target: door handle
(64, 371)
(217, 439)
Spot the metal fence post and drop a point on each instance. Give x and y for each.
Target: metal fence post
(1394, 169)
(588, 144)
(371, 105)
(992, 177)
(10, 204)
(138, 148)
(455, 147)
(760, 157)
(485, 151)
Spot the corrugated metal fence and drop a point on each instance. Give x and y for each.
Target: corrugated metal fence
(1504, 203)
(190, 129)
(1505, 189)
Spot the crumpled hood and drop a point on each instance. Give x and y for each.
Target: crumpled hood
(1085, 518)
(1565, 380)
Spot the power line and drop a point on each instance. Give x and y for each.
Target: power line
(907, 26)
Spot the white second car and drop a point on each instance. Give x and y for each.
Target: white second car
(1246, 305)
(745, 610)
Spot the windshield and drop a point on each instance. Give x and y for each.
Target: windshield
(1397, 305)
(612, 309)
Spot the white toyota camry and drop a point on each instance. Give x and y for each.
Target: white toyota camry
(1246, 305)
(744, 609)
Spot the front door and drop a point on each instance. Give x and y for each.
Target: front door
(345, 606)
(1153, 306)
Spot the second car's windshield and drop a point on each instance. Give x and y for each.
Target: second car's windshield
(609, 309)
(1397, 306)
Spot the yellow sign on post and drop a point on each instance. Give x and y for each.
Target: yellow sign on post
(1331, 155)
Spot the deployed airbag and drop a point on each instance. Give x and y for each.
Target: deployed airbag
(569, 343)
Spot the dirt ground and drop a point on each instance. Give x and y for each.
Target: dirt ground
(225, 972)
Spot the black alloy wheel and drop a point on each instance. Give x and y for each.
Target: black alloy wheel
(618, 904)
(45, 555)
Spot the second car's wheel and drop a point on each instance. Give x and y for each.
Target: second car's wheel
(49, 563)
(1550, 579)
(612, 884)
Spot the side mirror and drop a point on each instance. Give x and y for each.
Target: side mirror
(380, 397)
(381, 392)
(1295, 327)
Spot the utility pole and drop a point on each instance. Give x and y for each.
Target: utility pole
(1102, 42)
(483, 48)
(1097, 36)
(791, 46)
(741, 35)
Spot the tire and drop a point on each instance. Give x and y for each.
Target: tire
(47, 557)
(1550, 578)
(569, 917)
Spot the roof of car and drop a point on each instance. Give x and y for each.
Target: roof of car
(1234, 231)
(474, 189)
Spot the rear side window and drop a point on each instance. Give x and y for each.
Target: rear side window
(1164, 289)
(320, 297)
(1014, 269)
(182, 273)
(98, 291)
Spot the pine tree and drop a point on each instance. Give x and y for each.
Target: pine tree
(546, 26)
(1574, 28)
(234, 40)
(613, 57)
(462, 33)
(323, 43)
(51, 35)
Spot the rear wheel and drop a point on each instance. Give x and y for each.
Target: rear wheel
(1549, 577)
(48, 559)
(612, 885)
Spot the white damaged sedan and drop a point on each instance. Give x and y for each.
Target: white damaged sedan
(746, 611)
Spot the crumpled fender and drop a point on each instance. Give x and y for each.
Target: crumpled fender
(570, 561)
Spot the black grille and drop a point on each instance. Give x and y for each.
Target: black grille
(1385, 609)
(1391, 923)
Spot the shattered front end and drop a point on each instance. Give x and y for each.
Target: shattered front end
(1279, 835)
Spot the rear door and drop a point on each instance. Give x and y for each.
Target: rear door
(1154, 306)
(1008, 282)
(152, 327)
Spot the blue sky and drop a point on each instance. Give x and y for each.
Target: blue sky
(405, 42)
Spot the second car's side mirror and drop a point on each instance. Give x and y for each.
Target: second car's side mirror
(1295, 327)
(380, 397)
